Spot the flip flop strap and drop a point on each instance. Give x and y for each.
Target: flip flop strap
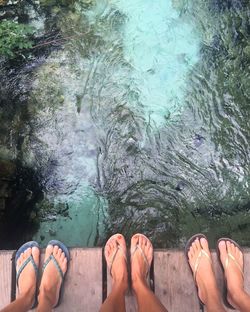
(51, 257)
(29, 259)
(114, 255)
(230, 256)
(198, 261)
(143, 255)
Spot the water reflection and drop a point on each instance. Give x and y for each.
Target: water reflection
(141, 123)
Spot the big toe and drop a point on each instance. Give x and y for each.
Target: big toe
(204, 244)
(35, 254)
(48, 251)
(223, 251)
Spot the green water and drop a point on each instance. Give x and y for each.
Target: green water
(139, 122)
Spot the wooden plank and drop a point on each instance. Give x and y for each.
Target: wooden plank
(174, 284)
(83, 282)
(5, 277)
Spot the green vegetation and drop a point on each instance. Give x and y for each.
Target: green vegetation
(14, 38)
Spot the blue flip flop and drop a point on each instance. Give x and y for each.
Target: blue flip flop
(21, 250)
(53, 259)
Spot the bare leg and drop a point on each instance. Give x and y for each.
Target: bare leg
(51, 280)
(115, 302)
(207, 287)
(146, 299)
(236, 294)
(26, 283)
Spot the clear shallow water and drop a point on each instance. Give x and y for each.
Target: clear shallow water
(140, 123)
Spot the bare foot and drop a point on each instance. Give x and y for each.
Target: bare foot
(27, 279)
(233, 271)
(205, 278)
(116, 251)
(140, 265)
(51, 279)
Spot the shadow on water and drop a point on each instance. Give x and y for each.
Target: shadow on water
(135, 119)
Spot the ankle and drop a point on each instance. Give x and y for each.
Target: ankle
(237, 295)
(46, 295)
(27, 298)
(139, 283)
(120, 283)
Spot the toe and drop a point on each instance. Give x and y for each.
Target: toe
(55, 250)
(204, 244)
(140, 241)
(197, 244)
(228, 246)
(62, 256)
(27, 253)
(59, 252)
(121, 241)
(35, 254)
(134, 241)
(49, 251)
(232, 246)
(223, 251)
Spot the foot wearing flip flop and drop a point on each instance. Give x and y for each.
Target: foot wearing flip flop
(141, 258)
(52, 279)
(27, 278)
(116, 256)
(199, 258)
(232, 260)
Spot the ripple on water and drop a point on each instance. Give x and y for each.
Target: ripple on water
(142, 123)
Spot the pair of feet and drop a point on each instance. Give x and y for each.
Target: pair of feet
(141, 255)
(205, 277)
(51, 279)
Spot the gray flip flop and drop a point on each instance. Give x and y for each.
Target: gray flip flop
(53, 259)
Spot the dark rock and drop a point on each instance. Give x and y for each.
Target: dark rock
(180, 186)
(198, 140)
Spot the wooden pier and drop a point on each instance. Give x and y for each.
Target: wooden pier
(87, 282)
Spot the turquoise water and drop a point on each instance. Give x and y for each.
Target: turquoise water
(158, 51)
(139, 122)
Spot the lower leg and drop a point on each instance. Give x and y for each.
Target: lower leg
(21, 304)
(115, 301)
(241, 300)
(146, 299)
(44, 302)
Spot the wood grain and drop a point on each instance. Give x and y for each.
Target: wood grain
(5, 277)
(83, 284)
(174, 284)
